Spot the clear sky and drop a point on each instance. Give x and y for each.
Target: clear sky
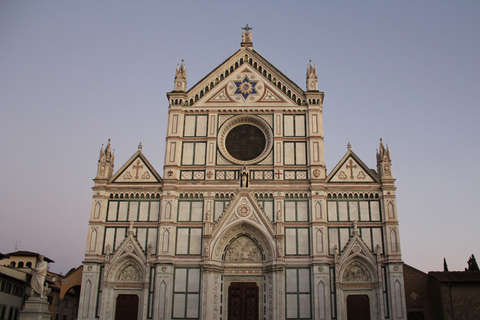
(75, 73)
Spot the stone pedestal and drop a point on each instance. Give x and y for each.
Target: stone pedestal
(36, 308)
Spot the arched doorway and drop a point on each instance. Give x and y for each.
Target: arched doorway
(243, 301)
(358, 307)
(126, 307)
(249, 275)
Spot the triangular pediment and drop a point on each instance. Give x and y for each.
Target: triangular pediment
(356, 247)
(351, 169)
(137, 170)
(245, 79)
(244, 208)
(130, 247)
(246, 86)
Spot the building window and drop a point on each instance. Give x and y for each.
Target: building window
(190, 211)
(371, 236)
(294, 125)
(186, 293)
(351, 210)
(8, 288)
(194, 153)
(295, 153)
(145, 236)
(220, 206)
(267, 207)
(297, 293)
(3, 309)
(296, 211)
(297, 241)
(133, 210)
(189, 241)
(195, 126)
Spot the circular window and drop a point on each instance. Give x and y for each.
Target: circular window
(245, 142)
(245, 139)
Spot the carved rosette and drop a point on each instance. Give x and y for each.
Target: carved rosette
(243, 210)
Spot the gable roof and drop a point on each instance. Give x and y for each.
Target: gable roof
(351, 169)
(137, 170)
(264, 71)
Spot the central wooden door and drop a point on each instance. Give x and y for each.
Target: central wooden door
(358, 307)
(127, 307)
(243, 301)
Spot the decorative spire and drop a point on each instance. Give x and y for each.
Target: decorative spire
(181, 78)
(105, 162)
(247, 37)
(140, 147)
(312, 81)
(349, 146)
(384, 162)
(108, 151)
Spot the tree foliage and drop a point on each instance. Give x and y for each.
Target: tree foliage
(472, 264)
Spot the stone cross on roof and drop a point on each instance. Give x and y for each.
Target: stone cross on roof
(247, 28)
(246, 37)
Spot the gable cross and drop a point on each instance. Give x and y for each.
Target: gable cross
(138, 166)
(247, 28)
(351, 167)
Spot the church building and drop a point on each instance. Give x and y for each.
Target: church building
(245, 221)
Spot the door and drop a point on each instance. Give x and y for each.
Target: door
(358, 307)
(243, 301)
(127, 307)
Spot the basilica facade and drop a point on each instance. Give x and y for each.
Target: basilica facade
(244, 222)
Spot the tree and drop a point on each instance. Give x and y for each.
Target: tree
(445, 267)
(472, 264)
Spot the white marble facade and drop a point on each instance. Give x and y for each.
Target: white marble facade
(245, 218)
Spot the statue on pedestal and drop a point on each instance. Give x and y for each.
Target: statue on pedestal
(37, 283)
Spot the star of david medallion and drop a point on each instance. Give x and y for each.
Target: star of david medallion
(243, 210)
(245, 87)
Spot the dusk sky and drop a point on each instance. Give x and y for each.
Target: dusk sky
(75, 73)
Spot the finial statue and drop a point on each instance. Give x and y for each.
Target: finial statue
(355, 228)
(140, 147)
(130, 227)
(244, 178)
(38, 278)
(247, 37)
